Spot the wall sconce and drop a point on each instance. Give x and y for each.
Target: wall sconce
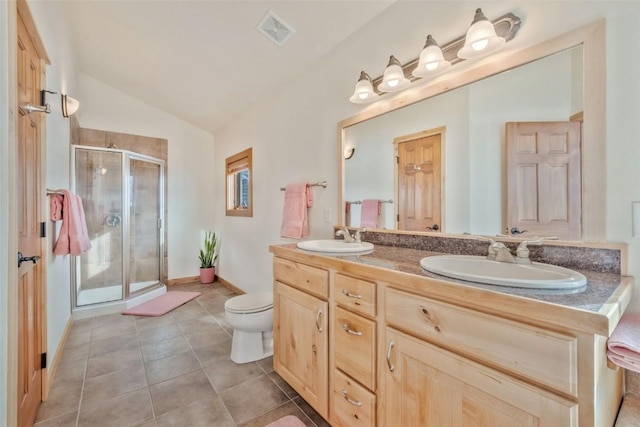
(69, 105)
(348, 153)
(483, 37)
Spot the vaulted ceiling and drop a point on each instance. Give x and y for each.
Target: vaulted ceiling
(205, 61)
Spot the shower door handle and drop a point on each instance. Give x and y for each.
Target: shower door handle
(34, 259)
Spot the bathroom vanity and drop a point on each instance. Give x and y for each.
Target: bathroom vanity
(376, 340)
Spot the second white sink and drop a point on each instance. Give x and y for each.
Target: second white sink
(335, 246)
(481, 270)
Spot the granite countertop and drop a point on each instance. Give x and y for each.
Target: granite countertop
(599, 290)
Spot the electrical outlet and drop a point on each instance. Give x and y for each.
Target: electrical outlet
(327, 215)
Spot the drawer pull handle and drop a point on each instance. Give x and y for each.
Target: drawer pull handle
(389, 364)
(350, 295)
(350, 400)
(348, 330)
(318, 320)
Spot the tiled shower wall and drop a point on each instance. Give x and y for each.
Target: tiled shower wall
(143, 223)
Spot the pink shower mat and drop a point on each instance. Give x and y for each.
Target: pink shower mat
(162, 304)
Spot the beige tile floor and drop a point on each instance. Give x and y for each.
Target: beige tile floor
(172, 370)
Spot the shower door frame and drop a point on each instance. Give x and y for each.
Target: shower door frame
(126, 223)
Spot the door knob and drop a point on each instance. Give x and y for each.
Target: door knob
(34, 259)
(434, 228)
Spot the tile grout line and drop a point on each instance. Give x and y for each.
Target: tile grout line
(146, 374)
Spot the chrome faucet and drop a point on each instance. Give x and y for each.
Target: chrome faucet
(502, 253)
(497, 251)
(522, 253)
(348, 238)
(358, 237)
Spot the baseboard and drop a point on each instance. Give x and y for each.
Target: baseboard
(53, 365)
(229, 286)
(182, 280)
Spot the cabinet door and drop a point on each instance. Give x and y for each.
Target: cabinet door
(428, 386)
(301, 343)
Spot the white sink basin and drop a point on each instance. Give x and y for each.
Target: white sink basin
(335, 246)
(481, 270)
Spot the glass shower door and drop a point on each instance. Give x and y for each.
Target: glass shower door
(145, 237)
(98, 181)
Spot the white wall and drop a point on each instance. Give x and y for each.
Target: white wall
(294, 132)
(61, 77)
(190, 169)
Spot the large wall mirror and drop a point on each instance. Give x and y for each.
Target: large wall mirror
(471, 123)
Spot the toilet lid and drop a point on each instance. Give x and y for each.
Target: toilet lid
(250, 303)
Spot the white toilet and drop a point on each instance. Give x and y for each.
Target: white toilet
(251, 316)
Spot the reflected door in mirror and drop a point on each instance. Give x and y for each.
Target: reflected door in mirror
(544, 178)
(419, 182)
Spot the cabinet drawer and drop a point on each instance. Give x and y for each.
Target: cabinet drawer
(545, 357)
(304, 277)
(355, 346)
(353, 405)
(355, 294)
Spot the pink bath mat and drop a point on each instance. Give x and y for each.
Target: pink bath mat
(288, 421)
(162, 304)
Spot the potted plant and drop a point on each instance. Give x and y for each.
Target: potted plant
(208, 257)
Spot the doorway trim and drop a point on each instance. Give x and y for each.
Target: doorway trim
(442, 131)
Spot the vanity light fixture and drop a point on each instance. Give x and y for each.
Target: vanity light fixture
(348, 153)
(431, 62)
(69, 105)
(364, 92)
(481, 38)
(393, 78)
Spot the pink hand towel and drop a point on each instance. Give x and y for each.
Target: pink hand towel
(297, 198)
(369, 213)
(55, 206)
(74, 237)
(624, 343)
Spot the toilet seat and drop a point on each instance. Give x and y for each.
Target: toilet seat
(250, 303)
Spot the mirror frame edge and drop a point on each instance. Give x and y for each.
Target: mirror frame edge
(593, 39)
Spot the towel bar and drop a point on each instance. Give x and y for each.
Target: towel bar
(322, 184)
(358, 202)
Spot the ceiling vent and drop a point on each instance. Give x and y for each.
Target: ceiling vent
(275, 28)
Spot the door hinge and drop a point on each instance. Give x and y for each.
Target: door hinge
(398, 217)
(397, 160)
(43, 360)
(43, 229)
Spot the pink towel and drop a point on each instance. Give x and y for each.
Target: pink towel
(369, 213)
(55, 206)
(74, 237)
(297, 198)
(624, 343)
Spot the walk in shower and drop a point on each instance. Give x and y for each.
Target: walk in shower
(123, 197)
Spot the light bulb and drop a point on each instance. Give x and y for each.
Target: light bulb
(363, 95)
(393, 82)
(479, 45)
(431, 65)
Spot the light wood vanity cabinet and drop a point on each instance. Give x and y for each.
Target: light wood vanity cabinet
(428, 386)
(300, 333)
(407, 350)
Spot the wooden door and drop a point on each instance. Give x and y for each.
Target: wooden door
(29, 185)
(544, 178)
(419, 182)
(301, 353)
(429, 386)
